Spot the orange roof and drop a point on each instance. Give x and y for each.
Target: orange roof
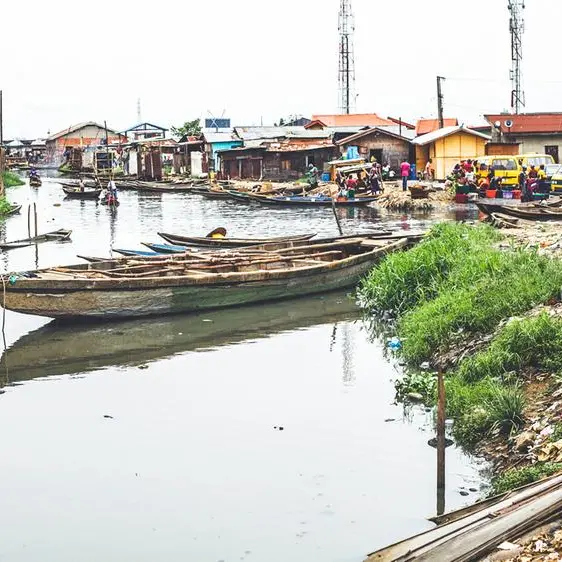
(529, 122)
(425, 126)
(352, 120)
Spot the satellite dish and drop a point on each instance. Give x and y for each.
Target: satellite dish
(509, 123)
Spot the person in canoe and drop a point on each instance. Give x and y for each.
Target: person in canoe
(81, 185)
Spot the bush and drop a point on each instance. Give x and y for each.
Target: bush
(528, 342)
(404, 279)
(517, 477)
(12, 180)
(482, 407)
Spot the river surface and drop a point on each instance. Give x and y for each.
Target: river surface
(265, 433)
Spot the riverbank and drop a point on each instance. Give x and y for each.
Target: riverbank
(485, 309)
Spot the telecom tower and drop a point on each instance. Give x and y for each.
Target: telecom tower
(346, 76)
(516, 27)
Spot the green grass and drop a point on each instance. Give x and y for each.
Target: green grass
(534, 342)
(517, 477)
(456, 284)
(12, 180)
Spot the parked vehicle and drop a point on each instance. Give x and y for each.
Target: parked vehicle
(508, 166)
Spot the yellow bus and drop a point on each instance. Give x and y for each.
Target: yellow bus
(509, 166)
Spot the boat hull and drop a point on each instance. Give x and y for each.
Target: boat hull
(97, 299)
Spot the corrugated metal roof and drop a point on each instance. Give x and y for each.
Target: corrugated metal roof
(220, 137)
(528, 122)
(352, 120)
(77, 127)
(253, 133)
(445, 132)
(424, 126)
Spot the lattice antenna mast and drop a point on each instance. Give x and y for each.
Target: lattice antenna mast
(516, 28)
(346, 76)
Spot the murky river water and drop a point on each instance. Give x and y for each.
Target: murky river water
(161, 439)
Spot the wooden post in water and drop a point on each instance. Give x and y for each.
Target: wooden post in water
(440, 443)
(35, 216)
(29, 221)
(336, 215)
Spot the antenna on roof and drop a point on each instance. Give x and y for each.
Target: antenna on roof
(516, 28)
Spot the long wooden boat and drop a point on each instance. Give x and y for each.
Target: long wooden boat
(311, 201)
(59, 235)
(192, 281)
(77, 193)
(128, 253)
(227, 242)
(216, 194)
(35, 181)
(529, 213)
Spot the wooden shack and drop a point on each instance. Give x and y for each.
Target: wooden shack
(448, 146)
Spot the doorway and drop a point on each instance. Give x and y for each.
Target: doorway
(376, 153)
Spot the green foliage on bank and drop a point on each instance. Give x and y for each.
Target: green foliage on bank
(5, 206)
(12, 180)
(456, 285)
(517, 477)
(527, 342)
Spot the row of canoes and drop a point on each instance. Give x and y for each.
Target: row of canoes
(287, 200)
(196, 280)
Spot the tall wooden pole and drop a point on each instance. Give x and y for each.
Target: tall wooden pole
(440, 102)
(1, 122)
(440, 443)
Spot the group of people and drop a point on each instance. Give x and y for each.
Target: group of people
(371, 179)
(479, 176)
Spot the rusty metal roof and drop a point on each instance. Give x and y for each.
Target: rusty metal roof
(528, 122)
(352, 120)
(424, 126)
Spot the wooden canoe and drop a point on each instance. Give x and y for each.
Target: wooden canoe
(14, 210)
(192, 282)
(227, 242)
(528, 213)
(59, 235)
(35, 182)
(77, 193)
(310, 201)
(165, 248)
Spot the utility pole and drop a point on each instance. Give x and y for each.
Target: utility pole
(1, 122)
(440, 102)
(346, 75)
(516, 28)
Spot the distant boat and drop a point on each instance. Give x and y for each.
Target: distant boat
(227, 242)
(35, 181)
(310, 200)
(77, 193)
(193, 281)
(55, 235)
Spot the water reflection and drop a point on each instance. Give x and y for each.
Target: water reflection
(57, 349)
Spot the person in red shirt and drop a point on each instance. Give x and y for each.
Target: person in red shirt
(405, 173)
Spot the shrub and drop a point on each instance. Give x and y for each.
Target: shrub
(12, 180)
(517, 477)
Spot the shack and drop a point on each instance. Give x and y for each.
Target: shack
(275, 160)
(81, 135)
(448, 146)
(386, 144)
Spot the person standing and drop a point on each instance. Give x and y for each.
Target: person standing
(374, 177)
(522, 181)
(405, 169)
(428, 173)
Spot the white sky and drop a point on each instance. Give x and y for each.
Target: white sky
(65, 62)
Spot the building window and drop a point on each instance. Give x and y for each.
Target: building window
(552, 149)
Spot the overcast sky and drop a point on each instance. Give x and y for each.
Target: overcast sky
(65, 62)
